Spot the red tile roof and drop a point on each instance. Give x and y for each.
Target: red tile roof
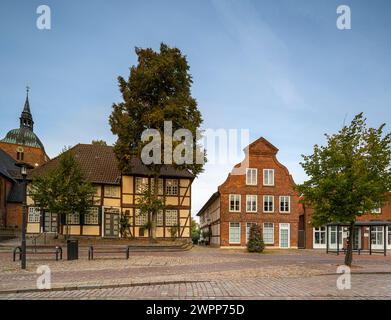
(100, 165)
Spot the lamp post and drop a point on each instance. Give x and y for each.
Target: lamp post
(23, 171)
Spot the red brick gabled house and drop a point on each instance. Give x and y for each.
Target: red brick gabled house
(263, 193)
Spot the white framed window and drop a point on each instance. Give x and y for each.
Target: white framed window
(285, 204)
(234, 232)
(73, 218)
(140, 219)
(34, 215)
(376, 211)
(159, 218)
(171, 187)
(268, 177)
(160, 189)
(248, 228)
(92, 216)
(268, 203)
(251, 203)
(171, 218)
(234, 202)
(112, 191)
(251, 177)
(268, 233)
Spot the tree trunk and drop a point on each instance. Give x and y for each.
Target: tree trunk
(349, 249)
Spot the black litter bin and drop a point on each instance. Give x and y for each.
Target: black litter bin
(72, 249)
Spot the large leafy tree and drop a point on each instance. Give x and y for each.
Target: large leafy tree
(63, 189)
(158, 89)
(348, 177)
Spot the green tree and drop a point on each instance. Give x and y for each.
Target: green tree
(195, 231)
(255, 242)
(99, 142)
(348, 177)
(158, 89)
(64, 189)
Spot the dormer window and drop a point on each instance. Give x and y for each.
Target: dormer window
(20, 155)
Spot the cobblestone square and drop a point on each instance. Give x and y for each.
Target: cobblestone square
(201, 273)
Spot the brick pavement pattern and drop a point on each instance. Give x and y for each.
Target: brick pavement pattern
(364, 286)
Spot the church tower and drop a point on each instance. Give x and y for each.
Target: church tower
(22, 143)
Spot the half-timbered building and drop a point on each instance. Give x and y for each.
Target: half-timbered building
(116, 197)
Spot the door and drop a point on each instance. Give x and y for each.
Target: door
(333, 237)
(284, 235)
(50, 222)
(377, 238)
(301, 238)
(111, 222)
(319, 238)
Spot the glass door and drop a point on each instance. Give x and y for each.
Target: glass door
(377, 237)
(319, 238)
(284, 235)
(333, 237)
(357, 238)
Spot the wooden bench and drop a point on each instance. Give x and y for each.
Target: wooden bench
(92, 250)
(42, 249)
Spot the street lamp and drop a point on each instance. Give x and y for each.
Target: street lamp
(23, 171)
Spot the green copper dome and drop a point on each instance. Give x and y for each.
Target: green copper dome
(24, 135)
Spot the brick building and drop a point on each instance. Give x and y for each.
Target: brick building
(262, 194)
(11, 192)
(370, 227)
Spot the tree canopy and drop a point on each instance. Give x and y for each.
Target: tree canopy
(99, 142)
(158, 89)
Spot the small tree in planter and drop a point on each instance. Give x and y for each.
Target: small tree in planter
(174, 230)
(255, 242)
(124, 225)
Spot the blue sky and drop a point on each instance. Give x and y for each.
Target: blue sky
(278, 68)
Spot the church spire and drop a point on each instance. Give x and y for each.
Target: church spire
(26, 118)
